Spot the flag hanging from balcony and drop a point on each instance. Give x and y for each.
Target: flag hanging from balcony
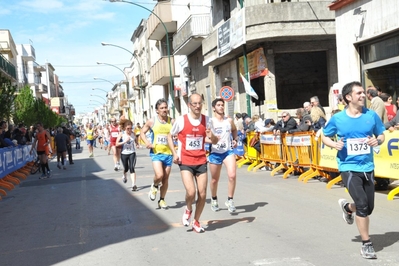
(248, 88)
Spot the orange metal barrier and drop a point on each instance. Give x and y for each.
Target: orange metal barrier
(272, 151)
(298, 147)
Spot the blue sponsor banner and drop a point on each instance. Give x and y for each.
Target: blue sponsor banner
(12, 159)
(239, 149)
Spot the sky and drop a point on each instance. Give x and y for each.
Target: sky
(68, 34)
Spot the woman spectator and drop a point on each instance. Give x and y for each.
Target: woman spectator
(391, 108)
(318, 118)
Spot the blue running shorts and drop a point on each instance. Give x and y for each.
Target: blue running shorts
(166, 159)
(218, 158)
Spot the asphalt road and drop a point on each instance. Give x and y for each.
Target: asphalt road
(85, 215)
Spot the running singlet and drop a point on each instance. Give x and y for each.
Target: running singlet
(41, 141)
(222, 130)
(89, 133)
(160, 137)
(114, 133)
(128, 147)
(192, 140)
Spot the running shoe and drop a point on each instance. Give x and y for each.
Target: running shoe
(197, 227)
(134, 188)
(91, 155)
(214, 205)
(162, 205)
(152, 194)
(230, 205)
(64, 167)
(124, 178)
(367, 251)
(48, 174)
(348, 217)
(186, 217)
(43, 176)
(116, 167)
(58, 166)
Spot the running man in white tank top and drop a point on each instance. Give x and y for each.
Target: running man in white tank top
(222, 153)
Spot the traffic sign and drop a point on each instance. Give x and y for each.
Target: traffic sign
(226, 93)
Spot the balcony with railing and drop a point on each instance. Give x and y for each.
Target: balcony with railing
(155, 29)
(7, 68)
(41, 88)
(190, 35)
(160, 74)
(28, 53)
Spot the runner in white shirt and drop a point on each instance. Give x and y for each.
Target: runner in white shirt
(222, 153)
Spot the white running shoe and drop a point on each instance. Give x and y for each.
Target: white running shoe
(152, 194)
(186, 217)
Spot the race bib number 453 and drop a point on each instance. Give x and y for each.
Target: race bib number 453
(357, 146)
(194, 143)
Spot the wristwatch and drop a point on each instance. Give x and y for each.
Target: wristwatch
(379, 142)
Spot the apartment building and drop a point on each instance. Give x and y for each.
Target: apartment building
(368, 43)
(289, 49)
(8, 58)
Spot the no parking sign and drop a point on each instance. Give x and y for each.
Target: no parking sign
(226, 93)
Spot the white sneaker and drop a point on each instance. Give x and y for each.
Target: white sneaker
(186, 217)
(152, 194)
(124, 178)
(214, 205)
(230, 205)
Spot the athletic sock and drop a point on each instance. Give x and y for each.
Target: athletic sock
(215, 198)
(229, 198)
(346, 207)
(365, 242)
(48, 168)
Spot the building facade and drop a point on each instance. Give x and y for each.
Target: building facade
(368, 43)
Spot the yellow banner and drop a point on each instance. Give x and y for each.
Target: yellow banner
(386, 160)
(328, 157)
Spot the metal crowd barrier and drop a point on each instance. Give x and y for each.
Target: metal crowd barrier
(305, 153)
(15, 165)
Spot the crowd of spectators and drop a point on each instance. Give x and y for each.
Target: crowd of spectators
(11, 136)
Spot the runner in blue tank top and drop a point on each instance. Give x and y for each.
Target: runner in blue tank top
(358, 131)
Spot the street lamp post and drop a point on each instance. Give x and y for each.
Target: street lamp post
(100, 90)
(167, 45)
(139, 66)
(127, 79)
(99, 97)
(104, 80)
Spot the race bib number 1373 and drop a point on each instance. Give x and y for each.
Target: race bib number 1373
(357, 146)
